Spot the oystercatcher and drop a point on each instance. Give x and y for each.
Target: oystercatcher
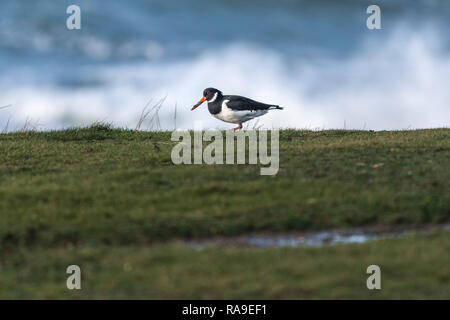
(233, 109)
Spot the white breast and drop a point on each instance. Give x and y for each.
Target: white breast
(237, 116)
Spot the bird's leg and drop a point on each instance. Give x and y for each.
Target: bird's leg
(238, 127)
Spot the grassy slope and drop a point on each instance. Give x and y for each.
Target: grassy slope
(103, 186)
(99, 188)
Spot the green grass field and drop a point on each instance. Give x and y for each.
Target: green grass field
(112, 202)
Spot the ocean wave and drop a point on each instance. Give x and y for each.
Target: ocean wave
(398, 82)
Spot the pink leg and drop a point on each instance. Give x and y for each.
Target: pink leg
(238, 127)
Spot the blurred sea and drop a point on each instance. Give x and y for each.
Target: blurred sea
(315, 58)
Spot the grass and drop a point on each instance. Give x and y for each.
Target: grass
(113, 192)
(411, 268)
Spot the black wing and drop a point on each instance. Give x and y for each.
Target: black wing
(243, 103)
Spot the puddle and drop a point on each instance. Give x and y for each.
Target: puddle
(315, 239)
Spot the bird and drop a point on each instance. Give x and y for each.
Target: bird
(233, 109)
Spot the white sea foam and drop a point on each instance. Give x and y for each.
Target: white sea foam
(398, 83)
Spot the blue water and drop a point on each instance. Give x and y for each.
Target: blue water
(318, 239)
(315, 58)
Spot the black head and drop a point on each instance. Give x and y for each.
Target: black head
(208, 95)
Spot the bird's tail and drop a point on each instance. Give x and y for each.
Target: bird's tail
(275, 107)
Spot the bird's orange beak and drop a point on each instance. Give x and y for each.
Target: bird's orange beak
(199, 103)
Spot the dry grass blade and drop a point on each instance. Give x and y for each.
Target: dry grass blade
(29, 125)
(5, 129)
(175, 117)
(255, 125)
(144, 115)
(26, 125)
(154, 120)
(153, 113)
